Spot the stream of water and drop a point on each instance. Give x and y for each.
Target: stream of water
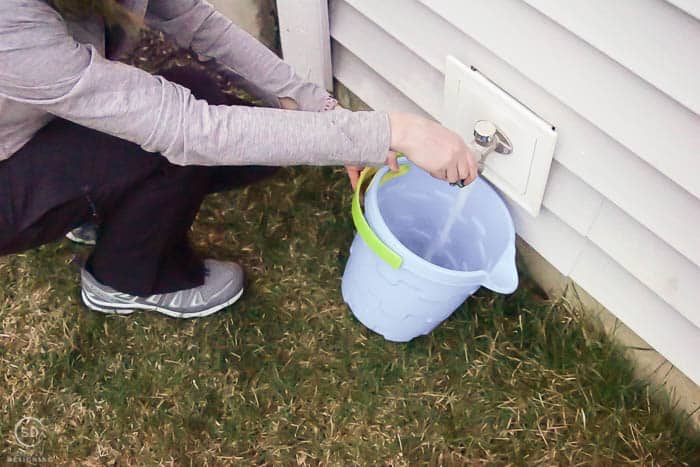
(457, 209)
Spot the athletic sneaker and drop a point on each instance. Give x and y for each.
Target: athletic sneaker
(85, 234)
(223, 285)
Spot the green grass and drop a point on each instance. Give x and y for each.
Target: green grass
(288, 376)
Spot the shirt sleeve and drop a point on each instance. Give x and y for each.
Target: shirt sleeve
(43, 66)
(196, 24)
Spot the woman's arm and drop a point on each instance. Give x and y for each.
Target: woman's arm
(195, 24)
(43, 66)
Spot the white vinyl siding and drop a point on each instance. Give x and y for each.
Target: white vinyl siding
(623, 198)
(648, 37)
(692, 7)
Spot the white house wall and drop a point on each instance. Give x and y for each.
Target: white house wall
(648, 37)
(692, 7)
(596, 87)
(622, 202)
(595, 157)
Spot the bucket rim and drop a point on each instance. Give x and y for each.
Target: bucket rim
(403, 251)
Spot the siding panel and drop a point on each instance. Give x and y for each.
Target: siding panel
(576, 203)
(671, 276)
(654, 40)
(368, 85)
(553, 239)
(692, 7)
(411, 75)
(668, 332)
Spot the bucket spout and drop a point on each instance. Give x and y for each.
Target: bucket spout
(503, 277)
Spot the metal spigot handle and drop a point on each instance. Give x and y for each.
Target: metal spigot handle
(488, 135)
(484, 132)
(487, 138)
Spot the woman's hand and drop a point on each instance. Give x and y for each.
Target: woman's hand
(432, 147)
(353, 174)
(354, 170)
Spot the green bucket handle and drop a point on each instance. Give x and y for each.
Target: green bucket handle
(365, 231)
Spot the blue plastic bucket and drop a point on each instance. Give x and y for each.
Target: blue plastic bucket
(389, 283)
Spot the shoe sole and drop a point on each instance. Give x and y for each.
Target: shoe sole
(118, 309)
(79, 240)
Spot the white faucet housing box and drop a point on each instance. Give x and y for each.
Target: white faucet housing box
(521, 175)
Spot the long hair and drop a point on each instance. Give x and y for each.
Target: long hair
(113, 13)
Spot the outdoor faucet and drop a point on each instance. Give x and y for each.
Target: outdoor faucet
(487, 138)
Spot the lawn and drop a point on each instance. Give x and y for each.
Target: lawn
(288, 376)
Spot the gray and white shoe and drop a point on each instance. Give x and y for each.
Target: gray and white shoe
(222, 287)
(85, 234)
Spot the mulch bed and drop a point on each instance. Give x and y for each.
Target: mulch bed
(155, 53)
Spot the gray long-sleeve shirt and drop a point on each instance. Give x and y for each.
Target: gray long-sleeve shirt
(51, 67)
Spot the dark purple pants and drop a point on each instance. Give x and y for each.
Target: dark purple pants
(144, 205)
